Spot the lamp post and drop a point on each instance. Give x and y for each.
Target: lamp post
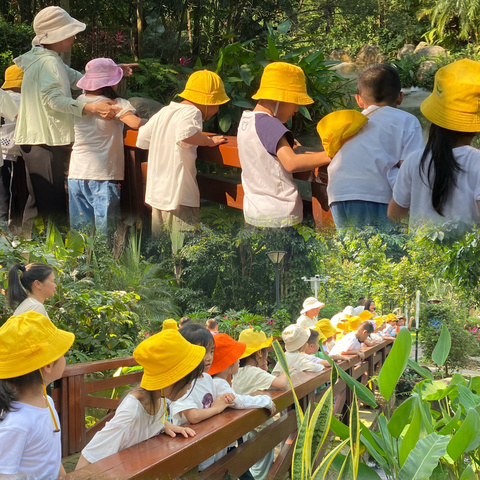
(276, 258)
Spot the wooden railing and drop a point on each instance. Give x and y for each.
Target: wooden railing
(164, 457)
(216, 188)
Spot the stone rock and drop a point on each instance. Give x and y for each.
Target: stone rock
(424, 50)
(368, 54)
(381, 58)
(407, 50)
(340, 54)
(426, 67)
(145, 107)
(346, 69)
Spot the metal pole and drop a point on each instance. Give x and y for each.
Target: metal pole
(277, 285)
(416, 345)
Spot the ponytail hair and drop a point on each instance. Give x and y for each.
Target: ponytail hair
(20, 285)
(10, 388)
(441, 171)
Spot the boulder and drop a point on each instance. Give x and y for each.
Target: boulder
(368, 54)
(425, 68)
(340, 54)
(346, 69)
(381, 58)
(145, 107)
(424, 50)
(407, 50)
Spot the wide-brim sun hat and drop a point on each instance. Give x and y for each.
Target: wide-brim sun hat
(294, 337)
(325, 326)
(283, 82)
(255, 341)
(166, 358)
(13, 77)
(454, 103)
(365, 315)
(99, 73)
(205, 88)
(227, 352)
(30, 341)
(337, 127)
(54, 24)
(310, 303)
(343, 326)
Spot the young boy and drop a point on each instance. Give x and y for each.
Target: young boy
(364, 170)
(310, 310)
(265, 149)
(172, 136)
(351, 343)
(296, 339)
(212, 326)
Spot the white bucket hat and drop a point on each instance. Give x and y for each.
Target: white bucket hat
(294, 337)
(310, 303)
(54, 24)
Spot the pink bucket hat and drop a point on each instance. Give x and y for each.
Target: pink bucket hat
(99, 73)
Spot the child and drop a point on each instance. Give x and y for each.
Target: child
(442, 183)
(172, 136)
(29, 290)
(362, 173)
(170, 365)
(203, 400)
(265, 149)
(252, 376)
(97, 164)
(308, 315)
(312, 347)
(32, 356)
(330, 333)
(296, 338)
(212, 326)
(351, 343)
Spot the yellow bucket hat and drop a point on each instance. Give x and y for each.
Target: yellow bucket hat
(390, 317)
(205, 88)
(337, 127)
(13, 77)
(283, 82)
(169, 323)
(325, 327)
(354, 322)
(166, 357)
(454, 102)
(343, 326)
(30, 341)
(379, 321)
(365, 315)
(255, 340)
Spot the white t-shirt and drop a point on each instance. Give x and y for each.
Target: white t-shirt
(364, 168)
(28, 443)
(249, 379)
(271, 197)
(131, 424)
(171, 171)
(305, 321)
(31, 304)
(297, 362)
(9, 110)
(412, 192)
(97, 152)
(346, 343)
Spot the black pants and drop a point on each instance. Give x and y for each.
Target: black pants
(46, 167)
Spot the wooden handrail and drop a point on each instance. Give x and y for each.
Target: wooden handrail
(164, 457)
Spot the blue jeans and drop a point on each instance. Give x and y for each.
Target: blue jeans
(94, 203)
(359, 214)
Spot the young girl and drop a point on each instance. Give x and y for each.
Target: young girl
(265, 149)
(442, 183)
(170, 366)
(97, 161)
(30, 289)
(32, 356)
(252, 376)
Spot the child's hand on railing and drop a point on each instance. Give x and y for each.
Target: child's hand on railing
(171, 430)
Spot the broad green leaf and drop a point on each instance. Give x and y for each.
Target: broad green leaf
(321, 471)
(469, 474)
(452, 424)
(442, 348)
(242, 103)
(410, 439)
(225, 122)
(458, 379)
(298, 461)
(284, 27)
(400, 417)
(440, 393)
(347, 472)
(420, 370)
(364, 471)
(296, 52)
(304, 111)
(246, 74)
(354, 435)
(395, 364)
(320, 422)
(283, 363)
(363, 393)
(464, 435)
(388, 440)
(424, 458)
(375, 451)
(474, 384)
(272, 49)
(467, 399)
(339, 429)
(439, 473)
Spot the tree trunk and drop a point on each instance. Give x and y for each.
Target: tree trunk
(139, 52)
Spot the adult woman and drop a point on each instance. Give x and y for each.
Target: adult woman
(45, 120)
(29, 289)
(370, 307)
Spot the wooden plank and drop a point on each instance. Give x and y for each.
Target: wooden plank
(223, 191)
(101, 402)
(107, 383)
(282, 463)
(97, 366)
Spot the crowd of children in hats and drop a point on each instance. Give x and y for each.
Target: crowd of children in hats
(190, 373)
(378, 167)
